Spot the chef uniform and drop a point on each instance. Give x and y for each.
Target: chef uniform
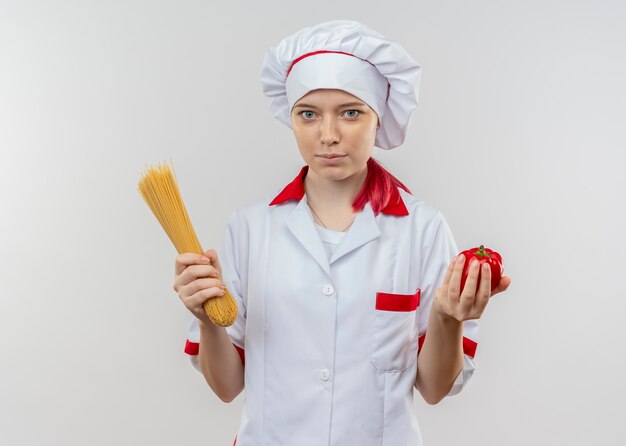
(330, 324)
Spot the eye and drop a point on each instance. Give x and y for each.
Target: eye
(307, 114)
(352, 113)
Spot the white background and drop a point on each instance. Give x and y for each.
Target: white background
(518, 138)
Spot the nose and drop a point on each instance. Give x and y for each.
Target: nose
(329, 133)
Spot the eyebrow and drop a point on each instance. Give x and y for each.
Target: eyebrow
(347, 104)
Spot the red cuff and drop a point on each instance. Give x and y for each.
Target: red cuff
(242, 355)
(469, 346)
(192, 348)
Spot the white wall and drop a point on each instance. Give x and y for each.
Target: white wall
(518, 139)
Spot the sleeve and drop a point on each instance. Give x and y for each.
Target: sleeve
(230, 259)
(439, 247)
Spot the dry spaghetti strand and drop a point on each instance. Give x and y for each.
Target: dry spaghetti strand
(159, 189)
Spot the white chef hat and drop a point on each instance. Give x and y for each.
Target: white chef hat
(346, 55)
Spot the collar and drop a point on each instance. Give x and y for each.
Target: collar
(295, 191)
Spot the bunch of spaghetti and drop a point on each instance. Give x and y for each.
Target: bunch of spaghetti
(159, 189)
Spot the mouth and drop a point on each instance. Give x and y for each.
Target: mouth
(330, 157)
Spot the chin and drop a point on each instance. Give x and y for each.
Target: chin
(336, 173)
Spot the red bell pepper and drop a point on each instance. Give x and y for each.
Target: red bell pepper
(483, 255)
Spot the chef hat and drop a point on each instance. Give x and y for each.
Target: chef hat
(346, 55)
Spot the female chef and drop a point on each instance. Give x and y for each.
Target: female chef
(347, 285)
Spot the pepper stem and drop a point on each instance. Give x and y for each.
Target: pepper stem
(481, 252)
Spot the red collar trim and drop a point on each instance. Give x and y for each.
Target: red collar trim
(395, 206)
(295, 191)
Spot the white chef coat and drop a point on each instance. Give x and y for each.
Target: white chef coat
(330, 346)
(330, 239)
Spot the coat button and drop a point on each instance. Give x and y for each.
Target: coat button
(328, 290)
(324, 374)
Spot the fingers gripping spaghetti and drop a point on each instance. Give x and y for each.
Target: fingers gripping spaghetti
(159, 188)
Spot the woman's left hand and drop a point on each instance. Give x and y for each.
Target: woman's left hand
(470, 302)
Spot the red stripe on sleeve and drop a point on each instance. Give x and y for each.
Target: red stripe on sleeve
(242, 355)
(469, 346)
(192, 348)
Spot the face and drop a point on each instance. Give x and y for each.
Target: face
(335, 132)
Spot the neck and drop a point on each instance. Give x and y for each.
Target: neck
(331, 200)
(333, 196)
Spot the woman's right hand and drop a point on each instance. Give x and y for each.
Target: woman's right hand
(198, 278)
